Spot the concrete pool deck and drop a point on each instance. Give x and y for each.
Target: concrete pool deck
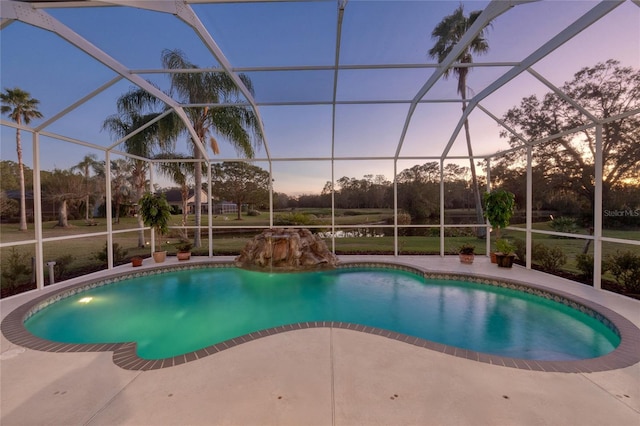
(319, 376)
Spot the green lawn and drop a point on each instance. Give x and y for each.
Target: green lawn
(82, 251)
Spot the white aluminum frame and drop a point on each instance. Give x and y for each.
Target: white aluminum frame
(33, 13)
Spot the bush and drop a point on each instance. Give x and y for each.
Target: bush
(16, 268)
(253, 212)
(119, 254)
(184, 247)
(293, 218)
(584, 262)
(505, 246)
(61, 267)
(551, 259)
(564, 224)
(403, 219)
(521, 248)
(467, 249)
(625, 267)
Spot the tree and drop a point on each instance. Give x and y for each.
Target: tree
(21, 108)
(121, 170)
(10, 175)
(448, 34)
(239, 182)
(180, 172)
(605, 90)
(238, 125)
(142, 144)
(63, 187)
(88, 163)
(418, 190)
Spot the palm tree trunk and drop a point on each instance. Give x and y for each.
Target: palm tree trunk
(198, 198)
(139, 182)
(185, 213)
(480, 232)
(86, 180)
(23, 194)
(141, 242)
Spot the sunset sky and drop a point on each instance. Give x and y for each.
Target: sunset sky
(288, 34)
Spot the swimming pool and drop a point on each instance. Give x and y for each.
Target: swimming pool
(184, 311)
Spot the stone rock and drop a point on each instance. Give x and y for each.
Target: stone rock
(286, 250)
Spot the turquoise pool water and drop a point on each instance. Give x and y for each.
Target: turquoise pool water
(179, 312)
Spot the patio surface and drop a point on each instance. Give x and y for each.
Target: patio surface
(319, 376)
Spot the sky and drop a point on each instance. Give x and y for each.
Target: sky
(287, 34)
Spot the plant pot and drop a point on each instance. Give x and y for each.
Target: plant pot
(505, 260)
(183, 255)
(136, 261)
(466, 258)
(493, 257)
(159, 256)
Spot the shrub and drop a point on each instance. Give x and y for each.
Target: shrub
(521, 248)
(293, 218)
(119, 254)
(499, 206)
(253, 212)
(184, 247)
(61, 267)
(551, 259)
(505, 246)
(625, 267)
(564, 224)
(584, 262)
(467, 249)
(16, 268)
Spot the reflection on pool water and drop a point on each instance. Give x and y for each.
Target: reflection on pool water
(179, 312)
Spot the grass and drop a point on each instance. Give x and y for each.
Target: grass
(84, 249)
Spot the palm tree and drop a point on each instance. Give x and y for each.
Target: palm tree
(121, 170)
(89, 162)
(180, 173)
(237, 124)
(141, 144)
(447, 34)
(21, 108)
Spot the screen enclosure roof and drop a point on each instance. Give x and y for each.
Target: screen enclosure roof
(331, 79)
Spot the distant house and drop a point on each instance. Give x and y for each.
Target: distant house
(174, 198)
(191, 202)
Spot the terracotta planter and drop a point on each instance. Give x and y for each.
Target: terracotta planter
(505, 260)
(136, 261)
(159, 256)
(466, 258)
(183, 255)
(493, 257)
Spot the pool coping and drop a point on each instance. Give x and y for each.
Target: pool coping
(124, 354)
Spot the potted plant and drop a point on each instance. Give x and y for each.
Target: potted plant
(156, 213)
(184, 251)
(506, 253)
(499, 206)
(467, 253)
(136, 261)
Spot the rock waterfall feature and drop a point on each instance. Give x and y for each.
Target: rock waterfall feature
(286, 250)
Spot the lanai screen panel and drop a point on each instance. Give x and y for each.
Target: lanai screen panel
(288, 49)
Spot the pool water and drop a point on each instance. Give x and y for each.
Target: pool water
(174, 313)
